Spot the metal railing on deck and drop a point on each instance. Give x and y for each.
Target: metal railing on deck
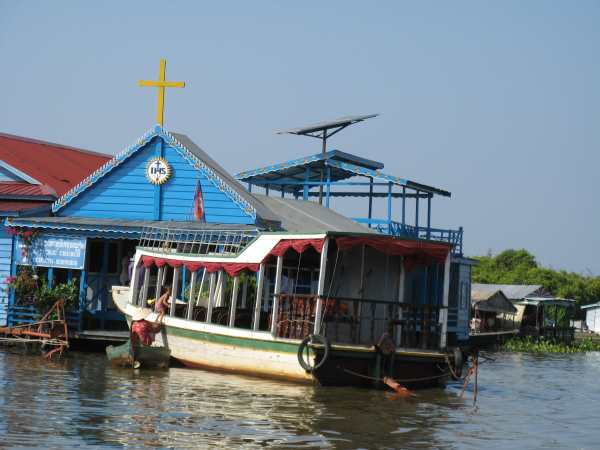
(454, 237)
(196, 242)
(360, 321)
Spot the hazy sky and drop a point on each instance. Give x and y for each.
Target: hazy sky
(497, 102)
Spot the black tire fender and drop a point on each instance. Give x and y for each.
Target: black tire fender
(313, 339)
(458, 362)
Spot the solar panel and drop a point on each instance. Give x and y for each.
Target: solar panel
(342, 122)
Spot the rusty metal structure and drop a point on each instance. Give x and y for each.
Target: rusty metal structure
(51, 331)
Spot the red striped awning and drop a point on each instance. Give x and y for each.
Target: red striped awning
(415, 252)
(232, 269)
(299, 246)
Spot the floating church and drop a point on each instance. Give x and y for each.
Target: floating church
(260, 263)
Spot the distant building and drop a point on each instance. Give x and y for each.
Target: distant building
(33, 174)
(538, 313)
(592, 317)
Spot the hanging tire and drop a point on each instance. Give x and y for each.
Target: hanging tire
(458, 362)
(304, 345)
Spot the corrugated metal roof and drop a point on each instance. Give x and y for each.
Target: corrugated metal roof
(15, 189)
(261, 211)
(120, 225)
(56, 165)
(341, 165)
(17, 207)
(593, 305)
(298, 216)
(512, 291)
(495, 302)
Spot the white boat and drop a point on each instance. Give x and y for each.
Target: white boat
(332, 308)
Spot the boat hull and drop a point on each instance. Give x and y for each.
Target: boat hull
(128, 355)
(257, 353)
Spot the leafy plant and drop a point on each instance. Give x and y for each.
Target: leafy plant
(531, 345)
(520, 267)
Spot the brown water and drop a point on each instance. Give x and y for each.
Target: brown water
(525, 402)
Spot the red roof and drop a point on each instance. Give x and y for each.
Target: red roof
(10, 206)
(14, 189)
(58, 166)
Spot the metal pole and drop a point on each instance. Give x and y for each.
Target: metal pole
(323, 150)
(403, 207)
(417, 214)
(428, 216)
(328, 186)
(190, 304)
(174, 288)
(277, 291)
(259, 294)
(443, 317)
(233, 302)
(389, 208)
(211, 295)
(370, 200)
(321, 286)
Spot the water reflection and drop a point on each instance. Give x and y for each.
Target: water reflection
(525, 402)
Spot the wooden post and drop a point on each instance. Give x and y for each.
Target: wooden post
(174, 289)
(259, 295)
(190, 305)
(277, 291)
(233, 302)
(444, 310)
(146, 284)
(321, 286)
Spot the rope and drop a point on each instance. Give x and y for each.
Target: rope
(406, 380)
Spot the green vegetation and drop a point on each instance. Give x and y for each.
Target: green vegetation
(520, 267)
(30, 289)
(531, 345)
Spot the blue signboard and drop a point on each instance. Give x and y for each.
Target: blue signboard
(52, 251)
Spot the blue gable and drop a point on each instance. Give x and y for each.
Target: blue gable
(120, 189)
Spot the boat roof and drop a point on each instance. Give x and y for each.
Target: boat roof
(341, 165)
(91, 224)
(299, 216)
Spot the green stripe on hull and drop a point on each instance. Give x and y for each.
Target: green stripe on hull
(234, 341)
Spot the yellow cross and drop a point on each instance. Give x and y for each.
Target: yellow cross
(161, 84)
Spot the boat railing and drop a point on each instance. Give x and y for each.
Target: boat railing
(195, 242)
(360, 321)
(399, 229)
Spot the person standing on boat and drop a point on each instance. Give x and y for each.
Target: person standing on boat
(162, 304)
(142, 331)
